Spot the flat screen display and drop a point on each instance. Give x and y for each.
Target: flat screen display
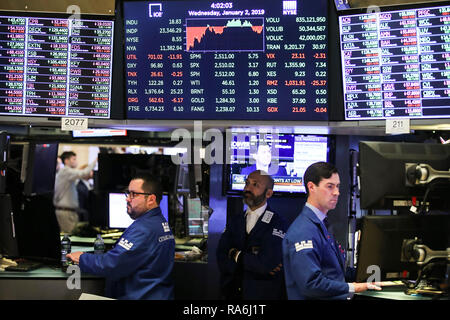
(258, 60)
(396, 64)
(43, 169)
(284, 156)
(89, 133)
(118, 216)
(195, 221)
(52, 66)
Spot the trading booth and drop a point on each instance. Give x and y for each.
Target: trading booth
(201, 93)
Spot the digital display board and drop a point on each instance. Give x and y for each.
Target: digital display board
(283, 156)
(55, 66)
(396, 64)
(237, 60)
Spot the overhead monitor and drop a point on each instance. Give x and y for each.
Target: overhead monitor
(118, 217)
(54, 66)
(373, 5)
(382, 175)
(236, 60)
(284, 156)
(91, 133)
(395, 63)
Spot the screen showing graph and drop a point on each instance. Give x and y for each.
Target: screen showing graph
(396, 64)
(53, 66)
(210, 35)
(259, 60)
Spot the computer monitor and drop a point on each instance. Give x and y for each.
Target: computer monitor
(382, 239)
(38, 231)
(197, 221)
(186, 179)
(382, 177)
(287, 157)
(393, 62)
(118, 217)
(40, 168)
(116, 170)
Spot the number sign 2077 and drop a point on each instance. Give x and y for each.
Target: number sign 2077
(69, 124)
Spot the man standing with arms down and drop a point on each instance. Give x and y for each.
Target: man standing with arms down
(140, 265)
(249, 251)
(314, 265)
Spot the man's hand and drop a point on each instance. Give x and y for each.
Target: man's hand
(74, 256)
(360, 287)
(276, 269)
(232, 253)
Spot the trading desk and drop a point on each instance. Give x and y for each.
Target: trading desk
(391, 293)
(89, 242)
(47, 283)
(51, 283)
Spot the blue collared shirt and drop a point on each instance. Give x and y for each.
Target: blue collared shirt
(318, 213)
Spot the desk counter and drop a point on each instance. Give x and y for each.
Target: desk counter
(47, 283)
(391, 293)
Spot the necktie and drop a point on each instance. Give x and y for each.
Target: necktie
(333, 241)
(251, 221)
(327, 224)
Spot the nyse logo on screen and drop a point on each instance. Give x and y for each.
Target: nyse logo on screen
(155, 10)
(289, 7)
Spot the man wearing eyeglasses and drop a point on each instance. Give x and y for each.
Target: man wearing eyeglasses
(141, 263)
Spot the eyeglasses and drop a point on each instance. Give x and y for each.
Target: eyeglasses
(133, 194)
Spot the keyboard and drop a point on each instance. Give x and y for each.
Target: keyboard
(24, 266)
(391, 283)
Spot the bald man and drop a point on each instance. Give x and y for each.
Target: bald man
(249, 253)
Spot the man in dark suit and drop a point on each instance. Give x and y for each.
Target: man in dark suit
(249, 251)
(83, 188)
(313, 263)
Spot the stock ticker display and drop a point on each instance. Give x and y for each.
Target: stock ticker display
(396, 64)
(259, 60)
(55, 66)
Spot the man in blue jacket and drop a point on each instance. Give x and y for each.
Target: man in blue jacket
(314, 265)
(249, 251)
(141, 263)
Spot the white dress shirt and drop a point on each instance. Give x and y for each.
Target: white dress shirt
(253, 216)
(65, 197)
(65, 188)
